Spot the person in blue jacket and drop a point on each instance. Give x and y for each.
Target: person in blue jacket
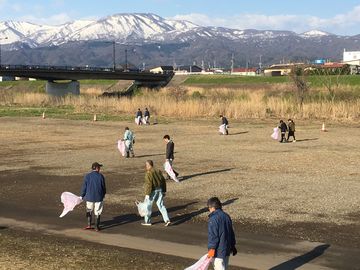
(93, 192)
(221, 236)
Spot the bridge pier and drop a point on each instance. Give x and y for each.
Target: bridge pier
(60, 89)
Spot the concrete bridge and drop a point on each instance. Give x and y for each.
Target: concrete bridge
(55, 74)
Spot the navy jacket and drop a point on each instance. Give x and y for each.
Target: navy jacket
(93, 188)
(139, 113)
(224, 121)
(170, 150)
(221, 235)
(283, 127)
(147, 113)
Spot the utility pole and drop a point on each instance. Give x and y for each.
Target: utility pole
(114, 64)
(232, 63)
(260, 63)
(126, 60)
(0, 48)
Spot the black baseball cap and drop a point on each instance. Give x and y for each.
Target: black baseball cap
(96, 165)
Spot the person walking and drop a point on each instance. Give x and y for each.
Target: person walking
(147, 116)
(129, 138)
(169, 156)
(283, 128)
(224, 125)
(93, 192)
(291, 133)
(221, 236)
(155, 190)
(138, 117)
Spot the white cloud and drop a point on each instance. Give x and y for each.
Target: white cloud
(17, 7)
(340, 24)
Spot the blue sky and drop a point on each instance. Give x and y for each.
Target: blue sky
(339, 17)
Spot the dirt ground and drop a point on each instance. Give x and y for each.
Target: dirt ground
(40, 252)
(305, 190)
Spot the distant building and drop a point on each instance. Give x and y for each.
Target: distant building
(319, 62)
(245, 71)
(280, 69)
(6, 78)
(162, 69)
(188, 69)
(351, 58)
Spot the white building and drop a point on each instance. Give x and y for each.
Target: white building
(351, 58)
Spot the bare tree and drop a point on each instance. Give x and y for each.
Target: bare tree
(298, 77)
(330, 78)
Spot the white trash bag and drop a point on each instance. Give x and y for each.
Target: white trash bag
(275, 134)
(143, 120)
(169, 170)
(202, 264)
(143, 208)
(222, 129)
(69, 200)
(138, 120)
(122, 148)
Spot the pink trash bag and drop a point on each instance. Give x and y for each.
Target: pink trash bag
(169, 170)
(122, 147)
(275, 134)
(69, 200)
(202, 264)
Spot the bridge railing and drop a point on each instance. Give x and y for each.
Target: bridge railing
(68, 68)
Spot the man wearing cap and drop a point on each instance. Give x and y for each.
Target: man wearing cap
(221, 237)
(93, 192)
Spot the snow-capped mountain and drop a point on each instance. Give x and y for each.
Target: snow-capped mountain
(315, 34)
(155, 40)
(124, 28)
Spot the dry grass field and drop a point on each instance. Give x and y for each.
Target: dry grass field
(315, 179)
(274, 101)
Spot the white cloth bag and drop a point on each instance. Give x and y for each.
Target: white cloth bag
(144, 208)
(222, 129)
(69, 200)
(169, 170)
(122, 148)
(202, 264)
(275, 134)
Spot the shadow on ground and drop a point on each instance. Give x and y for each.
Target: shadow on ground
(306, 140)
(186, 177)
(299, 261)
(129, 218)
(238, 133)
(188, 216)
(151, 155)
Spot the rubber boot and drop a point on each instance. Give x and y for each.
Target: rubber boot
(97, 223)
(127, 154)
(89, 221)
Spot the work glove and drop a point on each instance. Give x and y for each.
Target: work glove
(147, 197)
(80, 197)
(234, 251)
(211, 253)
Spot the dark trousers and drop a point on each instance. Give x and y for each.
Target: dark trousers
(291, 134)
(283, 139)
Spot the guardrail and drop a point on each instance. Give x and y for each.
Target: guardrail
(62, 68)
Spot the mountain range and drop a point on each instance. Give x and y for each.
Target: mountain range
(154, 40)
